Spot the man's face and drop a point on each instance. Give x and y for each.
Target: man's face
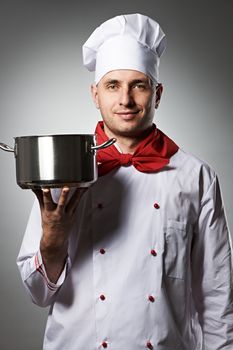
(127, 101)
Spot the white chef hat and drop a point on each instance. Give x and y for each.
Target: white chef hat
(125, 42)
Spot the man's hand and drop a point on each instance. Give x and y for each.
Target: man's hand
(57, 220)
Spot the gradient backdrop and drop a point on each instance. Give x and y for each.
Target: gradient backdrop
(44, 89)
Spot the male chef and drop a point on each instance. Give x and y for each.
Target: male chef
(143, 258)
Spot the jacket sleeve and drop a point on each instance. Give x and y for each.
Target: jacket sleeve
(30, 264)
(212, 268)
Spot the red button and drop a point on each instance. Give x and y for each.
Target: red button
(102, 251)
(104, 344)
(156, 206)
(153, 252)
(100, 206)
(151, 298)
(149, 345)
(102, 297)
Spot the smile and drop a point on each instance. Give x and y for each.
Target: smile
(126, 115)
(129, 115)
(127, 112)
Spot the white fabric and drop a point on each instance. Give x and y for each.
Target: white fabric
(125, 42)
(190, 278)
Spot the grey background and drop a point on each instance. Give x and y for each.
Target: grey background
(44, 89)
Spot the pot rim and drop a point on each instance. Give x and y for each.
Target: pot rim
(53, 135)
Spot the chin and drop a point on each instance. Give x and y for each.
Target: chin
(130, 130)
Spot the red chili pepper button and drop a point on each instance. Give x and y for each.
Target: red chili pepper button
(153, 252)
(151, 298)
(156, 206)
(149, 345)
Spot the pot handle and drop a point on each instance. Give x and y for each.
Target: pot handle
(103, 145)
(4, 147)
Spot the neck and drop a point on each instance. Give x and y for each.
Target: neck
(127, 144)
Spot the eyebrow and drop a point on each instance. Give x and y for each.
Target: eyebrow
(111, 81)
(132, 82)
(137, 81)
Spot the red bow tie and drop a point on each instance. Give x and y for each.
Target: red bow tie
(152, 153)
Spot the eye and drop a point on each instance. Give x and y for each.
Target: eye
(112, 86)
(140, 86)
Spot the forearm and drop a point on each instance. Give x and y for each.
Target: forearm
(43, 260)
(54, 260)
(57, 221)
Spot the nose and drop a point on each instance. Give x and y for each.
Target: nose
(126, 98)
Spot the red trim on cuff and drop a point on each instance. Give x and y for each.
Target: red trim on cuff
(41, 271)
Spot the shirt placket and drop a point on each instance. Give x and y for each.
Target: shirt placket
(101, 295)
(101, 278)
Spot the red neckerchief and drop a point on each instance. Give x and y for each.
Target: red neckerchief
(152, 154)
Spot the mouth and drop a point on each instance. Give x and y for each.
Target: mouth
(127, 115)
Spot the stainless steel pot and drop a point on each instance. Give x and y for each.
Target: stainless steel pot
(55, 160)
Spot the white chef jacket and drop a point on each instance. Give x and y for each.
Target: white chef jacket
(149, 264)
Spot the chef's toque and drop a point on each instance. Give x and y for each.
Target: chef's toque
(125, 42)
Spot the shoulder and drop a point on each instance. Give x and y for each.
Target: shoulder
(184, 160)
(193, 169)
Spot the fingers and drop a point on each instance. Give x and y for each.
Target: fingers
(48, 200)
(75, 199)
(63, 199)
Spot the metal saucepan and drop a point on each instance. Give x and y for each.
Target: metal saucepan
(56, 160)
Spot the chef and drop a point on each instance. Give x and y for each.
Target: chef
(143, 258)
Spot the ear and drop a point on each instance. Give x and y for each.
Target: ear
(159, 91)
(94, 93)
